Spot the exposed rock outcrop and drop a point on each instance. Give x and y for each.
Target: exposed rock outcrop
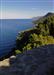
(39, 61)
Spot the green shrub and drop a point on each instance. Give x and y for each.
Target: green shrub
(17, 52)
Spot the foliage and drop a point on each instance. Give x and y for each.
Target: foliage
(46, 25)
(35, 40)
(42, 34)
(17, 51)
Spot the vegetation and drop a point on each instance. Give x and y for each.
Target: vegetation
(46, 25)
(42, 34)
(17, 52)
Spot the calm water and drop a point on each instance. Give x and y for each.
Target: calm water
(9, 31)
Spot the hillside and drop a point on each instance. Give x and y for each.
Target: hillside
(39, 61)
(42, 34)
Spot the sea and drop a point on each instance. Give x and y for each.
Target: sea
(9, 29)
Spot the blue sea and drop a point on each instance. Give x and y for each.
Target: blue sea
(9, 29)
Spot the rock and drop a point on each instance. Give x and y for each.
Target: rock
(4, 63)
(12, 59)
(39, 61)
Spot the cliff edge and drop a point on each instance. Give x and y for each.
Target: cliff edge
(39, 61)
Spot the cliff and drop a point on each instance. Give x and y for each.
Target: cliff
(39, 61)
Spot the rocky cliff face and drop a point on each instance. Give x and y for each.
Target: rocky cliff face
(39, 61)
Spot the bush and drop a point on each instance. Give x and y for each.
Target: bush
(17, 52)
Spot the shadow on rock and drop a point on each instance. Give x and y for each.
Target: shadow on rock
(39, 61)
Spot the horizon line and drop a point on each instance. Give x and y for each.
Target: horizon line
(26, 17)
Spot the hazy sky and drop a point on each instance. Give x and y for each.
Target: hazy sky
(25, 8)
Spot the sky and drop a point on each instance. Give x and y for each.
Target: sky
(20, 9)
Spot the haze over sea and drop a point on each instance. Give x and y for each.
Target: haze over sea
(9, 31)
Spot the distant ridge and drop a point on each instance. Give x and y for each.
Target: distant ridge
(43, 17)
(36, 18)
(49, 14)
